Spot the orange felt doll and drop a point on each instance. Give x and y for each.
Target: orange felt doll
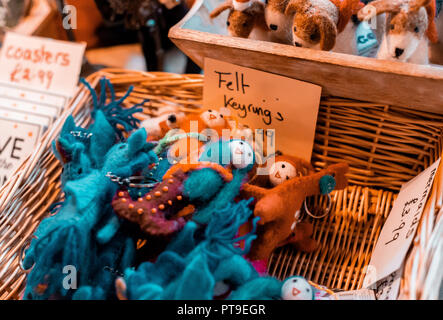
(292, 180)
(210, 123)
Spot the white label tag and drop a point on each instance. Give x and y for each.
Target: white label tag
(41, 63)
(280, 109)
(17, 140)
(363, 294)
(399, 229)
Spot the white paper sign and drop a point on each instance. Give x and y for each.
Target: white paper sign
(40, 63)
(17, 140)
(400, 227)
(279, 107)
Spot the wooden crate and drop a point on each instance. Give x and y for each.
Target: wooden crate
(341, 75)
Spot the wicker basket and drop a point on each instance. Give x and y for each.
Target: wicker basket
(385, 147)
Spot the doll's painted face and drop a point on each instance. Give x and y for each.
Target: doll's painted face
(213, 118)
(297, 288)
(281, 171)
(242, 154)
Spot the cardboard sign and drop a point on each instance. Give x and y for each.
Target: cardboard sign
(266, 102)
(17, 140)
(41, 63)
(399, 229)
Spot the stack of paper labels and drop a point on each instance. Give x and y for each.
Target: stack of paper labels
(37, 78)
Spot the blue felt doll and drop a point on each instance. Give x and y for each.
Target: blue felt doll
(65, 239)
(194, 265)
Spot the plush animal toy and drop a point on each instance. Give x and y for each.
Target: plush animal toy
(162, 211)
(278, 207)
(165, 209)
(157, 127)
(278, 22)
(193, 268)
(410, 25)
(246, 19)
(316, 23)
(210, 125)
(297, 288)
(67, 237)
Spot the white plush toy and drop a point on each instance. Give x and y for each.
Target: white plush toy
(297, 288)
(409, 28)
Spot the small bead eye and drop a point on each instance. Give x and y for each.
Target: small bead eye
(416, 29)
(221, 116)
(244, 25)
(295, 29)
(228, 23)
(392, 27)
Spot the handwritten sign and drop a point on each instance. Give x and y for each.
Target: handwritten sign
(399, 229)
(41, 63)
(286, 107)
(17, 139)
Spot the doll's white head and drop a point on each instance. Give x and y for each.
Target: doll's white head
(213, 118)
(281, 171)
(242, 154)
(297, 288)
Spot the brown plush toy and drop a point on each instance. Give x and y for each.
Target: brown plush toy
(316, 23)
(278, 207)
(246, 18)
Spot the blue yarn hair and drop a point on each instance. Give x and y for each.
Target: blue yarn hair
(114, 112)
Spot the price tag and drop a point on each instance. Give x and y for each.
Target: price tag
(399, 230)
(367, 43)
(40, 63)
(282, 109)
(17, 140)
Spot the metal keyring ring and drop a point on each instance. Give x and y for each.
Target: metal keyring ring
(328, 209)
(21, 257)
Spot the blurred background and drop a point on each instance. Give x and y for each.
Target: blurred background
(119, 33)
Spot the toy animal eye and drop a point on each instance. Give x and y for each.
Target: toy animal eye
(295, 29)
(416, 29)
(294, 281)
(122, 147)
(245, 25)
(283, 166)
(228, 23)
(221, 116)
(241, 143)
(392, 27)
(287, 177)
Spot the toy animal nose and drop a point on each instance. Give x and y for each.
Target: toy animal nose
(398, 52)
(297, 44)
(273, 27)
(172, 118)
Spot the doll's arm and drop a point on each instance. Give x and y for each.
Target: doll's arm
(252, 191)
(318, 183)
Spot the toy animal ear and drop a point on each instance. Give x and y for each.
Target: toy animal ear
(69, 125)
(217, 11)
(415, 5)
(294, 6)
(378, 7)
(256, 8)
(137, 141)
(328, 32)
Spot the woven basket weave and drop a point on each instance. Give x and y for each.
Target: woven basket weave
(385, 147)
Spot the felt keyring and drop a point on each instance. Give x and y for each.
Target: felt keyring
(278, 206)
